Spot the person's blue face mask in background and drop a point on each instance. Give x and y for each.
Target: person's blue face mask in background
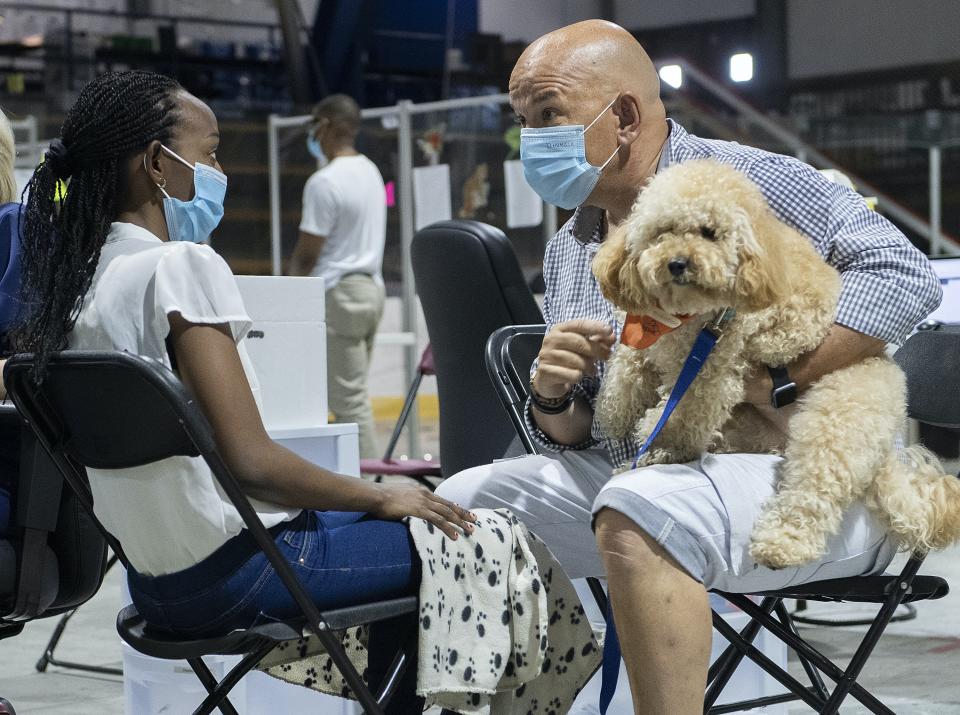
(555, 163)
(313, 146)
(195, 220)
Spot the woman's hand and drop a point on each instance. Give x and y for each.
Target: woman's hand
(403, 500)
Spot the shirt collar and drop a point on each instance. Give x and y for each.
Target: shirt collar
(588, 221)
(120, 230)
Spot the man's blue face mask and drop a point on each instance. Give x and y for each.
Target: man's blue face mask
(194, 220)
(555, 163)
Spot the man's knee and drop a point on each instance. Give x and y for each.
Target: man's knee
(624, 545)
(493, 484)
(461, 488)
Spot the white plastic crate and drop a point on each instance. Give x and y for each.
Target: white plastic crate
(152, 686)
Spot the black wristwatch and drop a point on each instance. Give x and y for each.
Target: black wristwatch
(784, 388)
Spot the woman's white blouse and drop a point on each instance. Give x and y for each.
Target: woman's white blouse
(171, 514)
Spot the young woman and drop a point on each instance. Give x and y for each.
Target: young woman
(120, 266)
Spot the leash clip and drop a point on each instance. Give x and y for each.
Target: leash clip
(723, 317)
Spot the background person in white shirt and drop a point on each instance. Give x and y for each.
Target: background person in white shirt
(342, 232)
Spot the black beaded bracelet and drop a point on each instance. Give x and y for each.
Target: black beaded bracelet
(550, 405)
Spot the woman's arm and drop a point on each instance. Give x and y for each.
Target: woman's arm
(210, 367)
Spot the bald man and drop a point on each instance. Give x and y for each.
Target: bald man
(667, 533)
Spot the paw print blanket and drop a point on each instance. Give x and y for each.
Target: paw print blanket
(502, 631)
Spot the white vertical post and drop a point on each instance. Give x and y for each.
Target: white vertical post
(408, 294)
(936, 239)
(801, 155)
(273, 155)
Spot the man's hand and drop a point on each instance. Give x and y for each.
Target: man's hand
(570, 351)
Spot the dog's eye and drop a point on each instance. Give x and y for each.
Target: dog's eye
(708, 233)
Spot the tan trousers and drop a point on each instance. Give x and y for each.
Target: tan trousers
(354, 309)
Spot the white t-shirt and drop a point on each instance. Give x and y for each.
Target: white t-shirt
(171, 514)
(345, 202)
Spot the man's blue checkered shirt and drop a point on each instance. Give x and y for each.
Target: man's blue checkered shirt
(888, 285)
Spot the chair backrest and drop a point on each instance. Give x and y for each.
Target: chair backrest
(111, 410)
(470, 284)
(106, 410)
(931, 361)
(510, 353)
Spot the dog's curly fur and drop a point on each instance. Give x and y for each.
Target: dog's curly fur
(839, 443)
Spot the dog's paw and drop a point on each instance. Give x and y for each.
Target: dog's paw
(656, 456)
(779, 545)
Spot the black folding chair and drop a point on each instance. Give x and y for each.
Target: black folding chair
(110, 410)
(931, 361)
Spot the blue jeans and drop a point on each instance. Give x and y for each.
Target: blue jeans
(341, 558)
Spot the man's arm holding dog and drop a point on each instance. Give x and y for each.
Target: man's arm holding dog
(841, 347)
(888, 285)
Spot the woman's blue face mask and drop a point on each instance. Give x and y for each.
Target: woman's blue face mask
(555, 163)
(195, 220)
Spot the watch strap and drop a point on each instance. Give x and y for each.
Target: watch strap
(784, 388)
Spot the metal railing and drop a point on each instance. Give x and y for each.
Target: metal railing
(940, 243)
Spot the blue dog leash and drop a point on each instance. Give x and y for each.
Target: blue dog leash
(702, 347)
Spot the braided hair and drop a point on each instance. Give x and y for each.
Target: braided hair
(116, 115)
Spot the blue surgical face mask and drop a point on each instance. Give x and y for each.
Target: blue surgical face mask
(555, 163)
(194, 220)
(316, 151)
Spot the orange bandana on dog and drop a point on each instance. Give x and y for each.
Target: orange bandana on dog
(642, 331)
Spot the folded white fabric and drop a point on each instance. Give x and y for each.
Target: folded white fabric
(502, 631)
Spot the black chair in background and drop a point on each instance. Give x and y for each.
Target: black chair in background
(470, 284)
(931, 361)
(111, 410)
(54, 558)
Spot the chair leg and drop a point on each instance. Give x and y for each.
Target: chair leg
(728, 662)
(761, 659)
(48, 658)
(354, 681)
(869, 642)
(596, 588)
(804, 649)
(816, 680)
(216, 697)
(408, 404)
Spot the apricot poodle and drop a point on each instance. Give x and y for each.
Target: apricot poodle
(701, 239)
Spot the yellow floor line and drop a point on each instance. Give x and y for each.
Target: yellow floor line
(388, 408)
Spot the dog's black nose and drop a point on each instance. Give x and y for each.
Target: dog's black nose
(677, 266)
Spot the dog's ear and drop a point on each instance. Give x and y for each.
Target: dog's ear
(762, 278)
(609, 261)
